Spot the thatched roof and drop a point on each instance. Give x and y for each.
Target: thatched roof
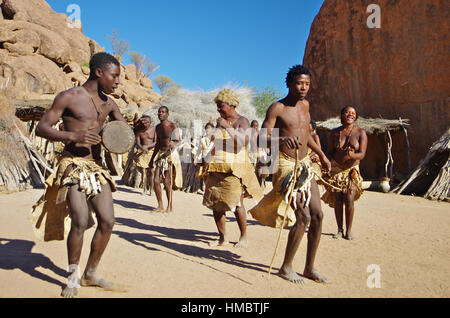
(21, 165)
(27, 110)
(431, 179)
(370, 125)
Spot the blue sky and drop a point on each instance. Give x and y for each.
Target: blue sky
(205, 44)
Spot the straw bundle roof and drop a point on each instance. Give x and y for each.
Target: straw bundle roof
(27, 110)
(20, 164)
(431, 179)
(370, 125)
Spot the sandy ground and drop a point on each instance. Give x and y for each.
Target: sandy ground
(158, 255)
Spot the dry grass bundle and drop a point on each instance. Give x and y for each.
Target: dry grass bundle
(20, 165)
(370, 125)
(431, 179)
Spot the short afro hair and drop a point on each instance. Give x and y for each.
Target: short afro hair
(347, 107)
(164, 107)
(296, 70)
(100, 60)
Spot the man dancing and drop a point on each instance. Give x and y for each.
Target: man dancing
(79, 184)
(291, 117)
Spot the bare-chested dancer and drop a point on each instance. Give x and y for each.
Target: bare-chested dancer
(346, 147)
(291, 117)
(145, 142)
(84, 110)
(167, 138)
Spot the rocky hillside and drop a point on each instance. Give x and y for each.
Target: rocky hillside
(41, 55)
(401, 69)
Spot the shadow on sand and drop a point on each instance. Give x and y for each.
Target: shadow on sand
(153, 240)
(134, 205)
(17, 254)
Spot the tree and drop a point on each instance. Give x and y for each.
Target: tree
(119, 48)
(264, 98)
(143, 64)
(166, 85)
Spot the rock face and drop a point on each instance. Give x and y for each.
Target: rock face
(41, 54)
(401, 69)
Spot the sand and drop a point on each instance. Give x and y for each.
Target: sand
(159, 255)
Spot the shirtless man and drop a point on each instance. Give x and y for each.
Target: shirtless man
(84, 110)
(167, 138)
(145, 142)
(346, 147)
(291, 116)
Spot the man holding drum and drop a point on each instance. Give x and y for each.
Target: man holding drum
(79, 184)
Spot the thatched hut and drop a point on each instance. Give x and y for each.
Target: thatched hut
(388, 152)
(21, 165)
(431, 179)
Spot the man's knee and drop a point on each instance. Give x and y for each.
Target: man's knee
(316, 214)
(79, 225)
(303, 216)
(107, 225)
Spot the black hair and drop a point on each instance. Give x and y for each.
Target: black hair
(209, 124)
(165, 107)
(254, 121)
(100, 60)
(295, 71)
(345, 108)
(313, 124)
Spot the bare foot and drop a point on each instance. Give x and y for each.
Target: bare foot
(243, 242)
(219, 243)
(291, 276)
(159, 209)
(68, 292)
(349, 236)
(340, 233)
(315, 276)
(95, 281)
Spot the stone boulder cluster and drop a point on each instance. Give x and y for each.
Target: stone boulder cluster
(42, 54)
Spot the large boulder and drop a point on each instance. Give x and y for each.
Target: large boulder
(40, 13)
(47, 42)
(401, 69)
(31, 76)
(42, 53)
